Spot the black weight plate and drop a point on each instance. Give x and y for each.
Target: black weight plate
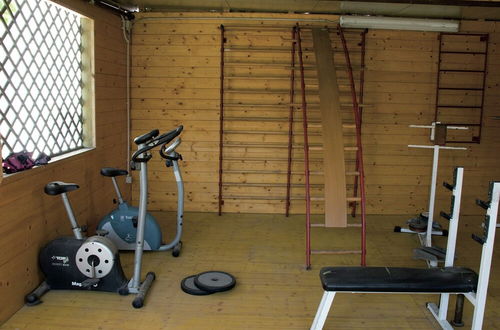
(188, 286)
(215, 281)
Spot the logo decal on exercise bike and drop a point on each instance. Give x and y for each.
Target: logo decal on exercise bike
(80, 285)
(60, 261)
(129, 238)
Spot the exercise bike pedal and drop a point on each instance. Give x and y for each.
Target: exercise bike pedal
(90, 282)
(101, 232)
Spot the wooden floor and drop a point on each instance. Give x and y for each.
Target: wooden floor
(273, 291)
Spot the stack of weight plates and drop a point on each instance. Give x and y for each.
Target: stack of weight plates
(207, 283)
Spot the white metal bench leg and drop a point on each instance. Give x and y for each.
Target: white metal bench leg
(323, 309)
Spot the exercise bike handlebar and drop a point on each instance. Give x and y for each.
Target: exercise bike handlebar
(160, 140)
(165, 149)
(141, 139)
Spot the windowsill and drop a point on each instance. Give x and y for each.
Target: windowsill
(8, 178)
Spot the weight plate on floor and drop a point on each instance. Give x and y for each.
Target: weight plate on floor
(188, 286)
(215, 281)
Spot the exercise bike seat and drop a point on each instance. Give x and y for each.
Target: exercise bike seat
(146, 137)
(112, 172)
(59, 187)
(394, 279)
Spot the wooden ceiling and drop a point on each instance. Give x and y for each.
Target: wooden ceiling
(472, 9)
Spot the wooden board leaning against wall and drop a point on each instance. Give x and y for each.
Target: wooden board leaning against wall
(175, 80)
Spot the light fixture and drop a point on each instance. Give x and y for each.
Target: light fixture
(399, 23)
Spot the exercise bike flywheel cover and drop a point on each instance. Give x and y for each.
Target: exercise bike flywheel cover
(188, 286)
(215, 281)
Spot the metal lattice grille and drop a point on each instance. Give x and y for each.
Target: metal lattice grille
(40, 77)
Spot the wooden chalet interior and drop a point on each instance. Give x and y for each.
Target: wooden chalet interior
(235, 82)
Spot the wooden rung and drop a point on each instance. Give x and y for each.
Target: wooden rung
(322, 225)
(335, 252)
(254, 119)
(303, 198)
(352, 173)
(359, 105)
(255, 105)
(229, 27)
(250, 77)
(254, 159)
(319, 148)
(348, 125)
(264, 49)
(267, 145)
(305, 66)
(241, 184)
(257, 91)
(257, 49)
(255, 132)
(353, 199)
(282, 119)
(266, 198)
(275, 64)
(255, 171)
(266, 159)
(307, 104)
(315, 172)
(255, 145)
(267, 132)
(314, 125)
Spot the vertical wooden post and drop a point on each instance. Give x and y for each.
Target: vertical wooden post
(360, 107)
(221, 115)
(359, 143)
(290, 124)
(306, 152)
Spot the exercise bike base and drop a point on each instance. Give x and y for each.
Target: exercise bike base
(138, 301)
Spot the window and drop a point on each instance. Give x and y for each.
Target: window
(44, 78)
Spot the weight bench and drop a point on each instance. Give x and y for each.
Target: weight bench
(391, 280)
(445, 281)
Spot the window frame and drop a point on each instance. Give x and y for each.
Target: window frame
(87, 86)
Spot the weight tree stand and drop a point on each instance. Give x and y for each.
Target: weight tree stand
(438, 137)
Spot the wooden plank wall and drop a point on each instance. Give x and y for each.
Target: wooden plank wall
(175, 80)
(29, 217)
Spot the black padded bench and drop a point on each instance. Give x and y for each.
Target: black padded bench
(391, 280)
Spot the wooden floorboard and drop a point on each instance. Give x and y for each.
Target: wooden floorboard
(274, 291)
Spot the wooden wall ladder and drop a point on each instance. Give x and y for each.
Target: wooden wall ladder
(257, 138)
(461, 83)
(263, 125)
(331, 103)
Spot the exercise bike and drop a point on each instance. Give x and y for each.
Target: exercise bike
(79, 263)
(121, 223)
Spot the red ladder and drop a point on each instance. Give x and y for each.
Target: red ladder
(463, 57)
(359, 143)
